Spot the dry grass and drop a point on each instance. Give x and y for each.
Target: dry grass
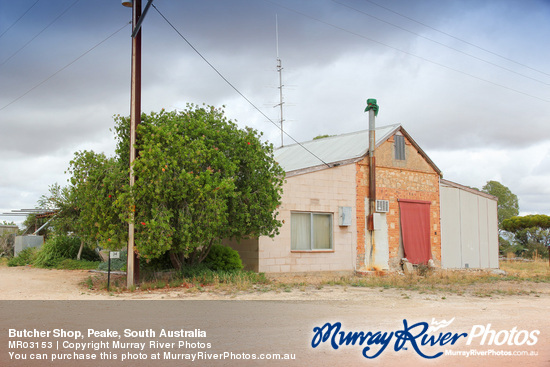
(521, 278)
(223, 282)
(526, 269)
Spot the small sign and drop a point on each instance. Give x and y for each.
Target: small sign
(115, 254)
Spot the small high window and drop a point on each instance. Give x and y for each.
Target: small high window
(399, 144)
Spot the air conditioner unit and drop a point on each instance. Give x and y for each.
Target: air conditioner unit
(382, 206)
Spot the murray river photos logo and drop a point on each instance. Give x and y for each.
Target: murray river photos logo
(425, 339)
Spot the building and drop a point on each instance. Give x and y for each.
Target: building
(325, 207)
(469, 225)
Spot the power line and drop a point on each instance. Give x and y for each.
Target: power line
(235, 88)
(64, 67)
(406, 52)
(441, 43)
(458, 39)
(18, 19)
(39, 33)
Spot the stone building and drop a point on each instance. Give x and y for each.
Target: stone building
(325, 207)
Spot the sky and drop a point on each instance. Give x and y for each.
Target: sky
(468, 79)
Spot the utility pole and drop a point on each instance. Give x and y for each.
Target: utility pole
(132, 264)
(135, 119)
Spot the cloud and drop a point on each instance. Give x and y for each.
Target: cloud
(475, 120)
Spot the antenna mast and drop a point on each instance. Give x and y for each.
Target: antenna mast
(280, 71)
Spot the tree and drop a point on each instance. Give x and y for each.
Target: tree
(7, 238)
(531, 231)
(508, 205)
(89, 207)
(92, 202)
(59, 199)
(200, 179)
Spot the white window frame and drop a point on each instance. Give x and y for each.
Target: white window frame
(312, 231)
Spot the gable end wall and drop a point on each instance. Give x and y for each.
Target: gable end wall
(413, 179)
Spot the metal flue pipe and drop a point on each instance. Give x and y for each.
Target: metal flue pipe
(372, 108)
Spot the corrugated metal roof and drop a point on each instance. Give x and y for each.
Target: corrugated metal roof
(331, 150)
(455, 185)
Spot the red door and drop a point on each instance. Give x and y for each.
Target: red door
(415, 230)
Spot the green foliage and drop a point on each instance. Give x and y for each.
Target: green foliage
(201, 274)
(322, 137)
(31, 223)
(25, 257)
(7, 241)
(508, 205)
(72, 264)
(531, 232)
(116, 264)
(200, 179)
(201, 271)
(154, 265)
(518, 223)
(58, 248)
(61, 199)
(506, 247)
(94, 199)
(223, 258)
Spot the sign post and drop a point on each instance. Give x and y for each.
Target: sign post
(112, 255)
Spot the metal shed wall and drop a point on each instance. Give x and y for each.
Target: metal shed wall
(469, 228)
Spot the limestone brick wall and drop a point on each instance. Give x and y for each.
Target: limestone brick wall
(324, 192)
(412, 179)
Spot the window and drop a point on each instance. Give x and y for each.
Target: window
(311, 231)
(399, 144)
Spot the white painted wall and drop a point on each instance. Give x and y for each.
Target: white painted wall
(324, 192)
(469, 228)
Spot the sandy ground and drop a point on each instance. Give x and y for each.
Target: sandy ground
(28, 283)
(274, 320)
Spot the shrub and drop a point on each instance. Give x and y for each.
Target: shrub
(59, 248)
(116, 264)
(223, 258)
(72, 264)
(195, 271)
(6, 244)
(24, 257)
(158, 264)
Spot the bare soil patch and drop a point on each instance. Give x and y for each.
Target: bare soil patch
(28, 283)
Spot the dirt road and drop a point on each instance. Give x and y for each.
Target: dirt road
(279, 322)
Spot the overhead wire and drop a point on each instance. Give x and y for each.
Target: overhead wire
(406, 52)
(459, 39)
(66, 66)
(39, 33)
(18, 19)
(235, 88)
(440, 43)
